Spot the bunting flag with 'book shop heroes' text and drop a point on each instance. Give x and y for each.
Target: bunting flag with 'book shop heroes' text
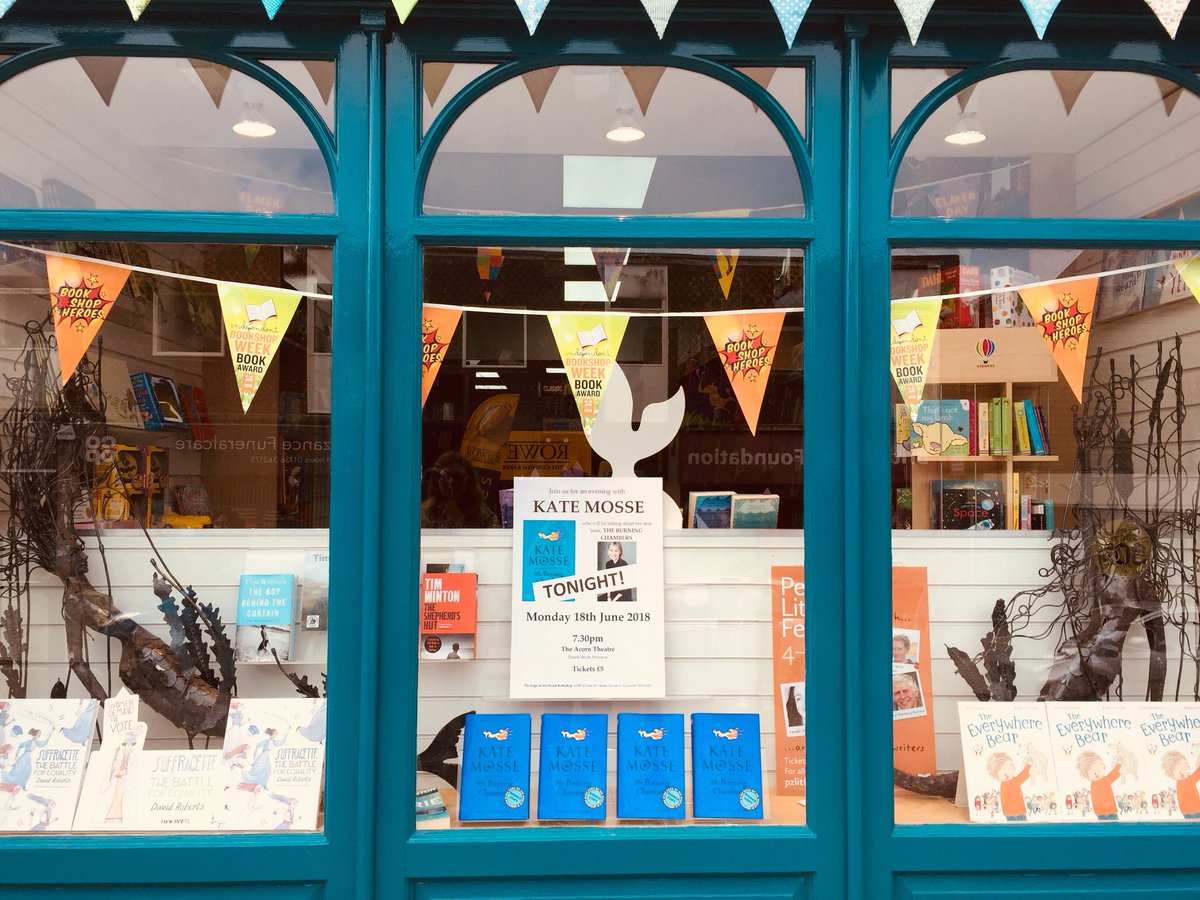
(437, 330)
(82, 291)
(746, 344)
(256, 320)
(1064, 313)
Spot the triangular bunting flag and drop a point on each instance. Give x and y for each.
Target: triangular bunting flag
(488, 261)
(1064, 313)
(102, 72)
(251, 251)
(609, 263)
(5, 6)
(914, 13)
(213, 76)
(137, 7)
(1169, 12)
(1040, 12)
(437, 330)
(726, 263)
(1070, 85)
(643, 80)
(660, 13)
(746, 343)
(760, 75)
(433, 79)
(913, 331)
(403, 8)
(588, 344)
(1171, 92)
(272, 7)
(964, 96)
(1189, 271)
(538, 84)
(82, 291)
(256, 319)
(323, 72)
(791, 14)
(531, 12)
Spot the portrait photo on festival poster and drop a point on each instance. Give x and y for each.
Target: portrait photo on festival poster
(906, 647)
(791, 695)
(587, 605)
(908, 698)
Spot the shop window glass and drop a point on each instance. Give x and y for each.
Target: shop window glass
(441, 81)
(611, 140)
(161, 539)
(512, 393)
(1063, 143)
(114, 132)
(316, 79)
(1054, 544)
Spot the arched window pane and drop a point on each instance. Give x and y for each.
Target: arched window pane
(1064, 143)
(547, 143)
(112, 132)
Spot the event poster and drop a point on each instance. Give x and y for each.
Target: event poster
(787, 648)
(587, 618)
(912, 662)
(256, 320)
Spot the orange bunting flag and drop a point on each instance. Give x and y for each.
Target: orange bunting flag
(1064, 313)
(437, 330)
(726, 262)
(746, 343)
(82, 291)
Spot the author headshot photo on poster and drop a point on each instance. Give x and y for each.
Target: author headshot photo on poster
(613, 555)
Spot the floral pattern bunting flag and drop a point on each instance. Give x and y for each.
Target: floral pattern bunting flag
(1040, 12)
(137, 7)
(488, 261)
(914, 13)
(791, 14)
(1064, 312)
(531, 12)
(272, 7)
(746, 344)
(403, 8)
(725, 264)
(1170, 13)
(660, 13)
(437, 330)
(82, 291)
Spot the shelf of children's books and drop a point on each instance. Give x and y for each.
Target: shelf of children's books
(951, 460)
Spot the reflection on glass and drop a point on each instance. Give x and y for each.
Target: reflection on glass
(595, 140)
(1048, 548)
(1063, 143)
(316, 79)
(619, 363)
(154, 133)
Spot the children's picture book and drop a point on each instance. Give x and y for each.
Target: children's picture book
(1008, 762)
(967, 505)
(754, 511)
(1169, 761)
(448, 615)
(1097, 759)
(573, 766)
(651, 781)
(120, 402)
(264, 618)
(709, 509)
(273, 760)
(129, 788)
(314, 591)
(942, 428)
(494, 777)
(726, 766)
(44, 747)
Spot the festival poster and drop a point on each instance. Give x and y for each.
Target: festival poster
(82, 291)
(587, 604)
(913, 329)
(912, 666)
(256, 319)
(725, 263)
(588, 344)
(437, 330)
(787, 648)
(746, 343)
(1064, 313)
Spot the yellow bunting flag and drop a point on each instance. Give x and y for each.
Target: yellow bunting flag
(588, 345)
(1189, 271)
(913, 329)
(1064, 313)
(256, 319)
(403, 8)
(746, 343)
(437, 329)
(726, 263)
(82, 292)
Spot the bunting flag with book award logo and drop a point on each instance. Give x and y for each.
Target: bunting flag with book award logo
(437, 330)
(746, 343)
(725, 264)
(488, 261)
(256, 319)
(1189, 271)
(82, 291)
(913, 330)
(588, 344)
(1064, 313)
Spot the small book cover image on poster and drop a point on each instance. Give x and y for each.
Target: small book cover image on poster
(791, 695)
(449, 609)
(710, 509)
(494, 777)
(1008, 762)
(1097, 761)
(726, 766)
(651, 783)
(573, 767)
(44, 749)
(549, 552)
(314, 591)
(264, 618)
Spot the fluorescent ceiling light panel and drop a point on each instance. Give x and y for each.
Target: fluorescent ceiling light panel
(584, 292)
(491, 387)
(578, 256)
(606, 182)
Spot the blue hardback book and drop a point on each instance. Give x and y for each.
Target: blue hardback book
(573, 767)
(494, 783)
(651, 783)
(726, 766)
(1035, 429)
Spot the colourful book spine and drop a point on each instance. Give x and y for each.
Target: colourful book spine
(1024, 445)
(494, 784)
(726, 766)
(1049, 504)
(650, 766)
(1026, 512)
(1006, 425)
(573, 766)
(985, 428)
(1036, 438)
(973, 429)
(1041, 417)
(1014, 502)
